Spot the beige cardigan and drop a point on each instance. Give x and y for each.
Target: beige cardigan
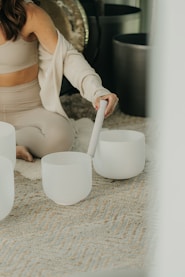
(69, 62)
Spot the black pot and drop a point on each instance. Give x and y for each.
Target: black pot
(102, 27)
(130, 72)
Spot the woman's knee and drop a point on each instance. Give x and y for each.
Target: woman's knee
(58, 140)
(53, 133)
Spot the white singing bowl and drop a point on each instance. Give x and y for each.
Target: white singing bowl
(6, 187)
(67, 176)
(8, 141)
(120, 154)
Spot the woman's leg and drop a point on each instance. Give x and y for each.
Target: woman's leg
(38, 132)
(43, 132)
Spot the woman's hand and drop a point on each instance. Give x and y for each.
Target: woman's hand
(112, 100)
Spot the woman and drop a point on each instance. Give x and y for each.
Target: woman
(33, 58)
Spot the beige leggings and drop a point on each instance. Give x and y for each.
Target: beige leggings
(41, 131)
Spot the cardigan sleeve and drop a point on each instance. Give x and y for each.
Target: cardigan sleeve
(81, 75)
(71, 63)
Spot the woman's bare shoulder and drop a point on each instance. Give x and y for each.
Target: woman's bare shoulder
(41, 25)
(33, 11)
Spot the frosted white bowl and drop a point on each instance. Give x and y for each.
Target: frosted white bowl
(66, 176)
(8, 141)
(120, 154)
(6, 187)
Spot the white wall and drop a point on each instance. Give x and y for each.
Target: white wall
(167, 106)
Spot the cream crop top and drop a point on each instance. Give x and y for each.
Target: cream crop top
(18, 55)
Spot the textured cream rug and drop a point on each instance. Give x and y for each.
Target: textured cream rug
(106, 231)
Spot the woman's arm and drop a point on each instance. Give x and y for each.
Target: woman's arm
(76, 69)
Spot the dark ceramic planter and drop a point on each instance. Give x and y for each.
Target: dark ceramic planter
(117, 18)
(130, 72)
